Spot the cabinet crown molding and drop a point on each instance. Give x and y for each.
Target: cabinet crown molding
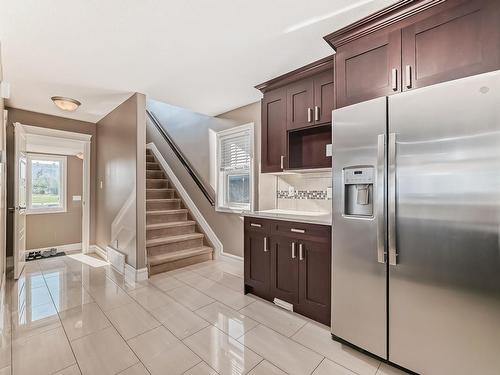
(308, 70)
(386, 17)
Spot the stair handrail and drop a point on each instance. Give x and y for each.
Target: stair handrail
(192, 172)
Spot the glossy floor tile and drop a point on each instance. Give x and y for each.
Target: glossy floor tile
(286, 354)
(193, 321)
(163, 353)
(223, 353)
(280, 320)
(318, 338)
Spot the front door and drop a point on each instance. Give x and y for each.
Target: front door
(20, 200)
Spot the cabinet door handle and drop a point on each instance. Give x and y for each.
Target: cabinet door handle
(316, 113)
(408, 77)
(301, 252)
(309, 114)
(394, 79)
(265, 244)
(256, 225)
(282, 161)
(293, 251)
(295, 230)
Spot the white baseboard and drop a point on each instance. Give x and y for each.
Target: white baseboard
(135, 275)
(99, 251)
(212, 237)
(116, 259)
(60, 248)
(231, 258)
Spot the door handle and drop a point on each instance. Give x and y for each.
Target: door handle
(380, 199)
(301, 252)
(293, 251)
(309, 114)
(265, 244)
(408, 76)
(393, 253)
(282, 161)
(394, 79)
(316, 113)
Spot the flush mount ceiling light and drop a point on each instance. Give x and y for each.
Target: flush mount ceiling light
(66, 104)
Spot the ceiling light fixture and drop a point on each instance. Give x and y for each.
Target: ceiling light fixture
(66, 104)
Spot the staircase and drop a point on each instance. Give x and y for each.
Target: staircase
(173, 239)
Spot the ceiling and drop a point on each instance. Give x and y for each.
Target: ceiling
(202, 55)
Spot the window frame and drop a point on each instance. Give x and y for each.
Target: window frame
(220, 194)
(62, 184)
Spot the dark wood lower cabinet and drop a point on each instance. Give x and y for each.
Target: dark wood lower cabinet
(284, 269)
(291, 262)
(315, 280)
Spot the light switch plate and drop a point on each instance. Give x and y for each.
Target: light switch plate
(329, 150)
(77, 198)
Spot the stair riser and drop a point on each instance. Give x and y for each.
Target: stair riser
(149, 152)
(165, 194)
(150, 159)
(155, 174)
(169, 266)
(155, 206)
(157, 219)
(156, 184)
(174, 231)
(176, 246)
(152, 166)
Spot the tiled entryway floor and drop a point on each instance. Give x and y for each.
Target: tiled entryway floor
(75, 314)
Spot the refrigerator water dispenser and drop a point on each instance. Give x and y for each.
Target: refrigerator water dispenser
(358, 191)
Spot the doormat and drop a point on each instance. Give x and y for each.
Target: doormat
(45, 254)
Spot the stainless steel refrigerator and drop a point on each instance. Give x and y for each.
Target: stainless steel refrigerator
(416, 224)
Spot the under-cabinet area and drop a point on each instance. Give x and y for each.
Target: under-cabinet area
(291, 262)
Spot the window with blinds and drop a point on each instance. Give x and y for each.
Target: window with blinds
(235, 171)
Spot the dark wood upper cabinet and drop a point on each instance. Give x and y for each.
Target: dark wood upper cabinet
(314, 283)
(299, 104)
(324, 100)
(273, 141)
(285, 269)
(456, 42)
(413, 44)
(368, 68)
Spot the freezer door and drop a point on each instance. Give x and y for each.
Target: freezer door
(358, 237)
(444, 284)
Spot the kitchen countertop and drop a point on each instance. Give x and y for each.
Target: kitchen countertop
(323, 218)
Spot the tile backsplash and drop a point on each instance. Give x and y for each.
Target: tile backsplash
(304, 192)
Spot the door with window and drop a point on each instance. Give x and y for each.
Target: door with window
(20, 200)
(235, 169)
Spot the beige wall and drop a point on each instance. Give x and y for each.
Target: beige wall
(56, 229)
(52, 122)
(118, 202)
(3, 190)
(228, 227)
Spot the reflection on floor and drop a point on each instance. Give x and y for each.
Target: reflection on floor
(76, 315)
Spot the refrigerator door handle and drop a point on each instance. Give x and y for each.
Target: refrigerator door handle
(393, 253)
(380, 202)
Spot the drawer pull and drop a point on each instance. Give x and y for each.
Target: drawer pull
(295, 230)
(256, 225)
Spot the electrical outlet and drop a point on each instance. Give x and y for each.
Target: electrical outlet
(329, 193)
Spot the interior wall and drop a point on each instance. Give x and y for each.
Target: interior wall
(61, 228)
(3, 187)
(51, 122)
(117, 193)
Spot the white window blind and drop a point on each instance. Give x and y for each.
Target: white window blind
(235, 153)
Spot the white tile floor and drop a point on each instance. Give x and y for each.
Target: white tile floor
(76, 315)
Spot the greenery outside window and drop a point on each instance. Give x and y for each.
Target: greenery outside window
(46, 184)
